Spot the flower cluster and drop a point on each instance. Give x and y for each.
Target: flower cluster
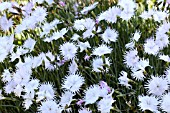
(66, 56)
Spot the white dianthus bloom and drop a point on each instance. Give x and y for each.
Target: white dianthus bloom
(46, 91)
(165, 58)
(5, 24)
(5, 5)
(18, 89)
(130, 45)
(73, 82)
(68, 50)
(49, 106)
(110, 15)
(159, 15)
(165, 103)
(157, 86)
(59, 34)
(29, 44)
(162, 40)
(39, 14)
(136, 36)
(123, 80)
(22, 76)
(105, 104)
(91, 94)
(98, 64)
(138, 75)
(110, 35)
(6, 76)
(84, 46)
(79, 24)
(141, 65)
(87, 9)
(9, 87)
(148, 103)
(131, 58)
(147, 14)
(66, 98)
(151, 47)
(73, 67)
(101, 50)
(75, 37)
(128, 8)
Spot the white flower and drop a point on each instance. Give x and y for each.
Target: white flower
(162, 40)
(68, 50)
(91, 94)
(123, 80)
(87, 9)
(165, 58)
(157, 86)
(98, 64)
(46, 91)
(127, 5)
(141, 65)
(105, 104)
(165, 103)
(101, 50)
(28, 100)
(59, 34)
(49, 1)
(75, 37)
(49, 106)
(138, 75)
(73, 67)
(18, 89)
(22, 76)
(88, 33)
(9, 87)
(159, 15)
(6, 42)
(20, 51)
(147, 14)
(164, 28)
(131, 58)
(151, 47)
(37, 61)
(50, 56)
(110, 35)
(32, 84)
(110, 15)
(79, 24)
(29, 44)
(5, 24)
(130, 45)
(128, 9)
(6, 76)
(66, 98)
(73, 82)
(5, 5)
(39, 14)
(148, 103)
(136, 36)
(84, 46)
(89, 23)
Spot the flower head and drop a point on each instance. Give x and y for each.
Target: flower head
(68, 50)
